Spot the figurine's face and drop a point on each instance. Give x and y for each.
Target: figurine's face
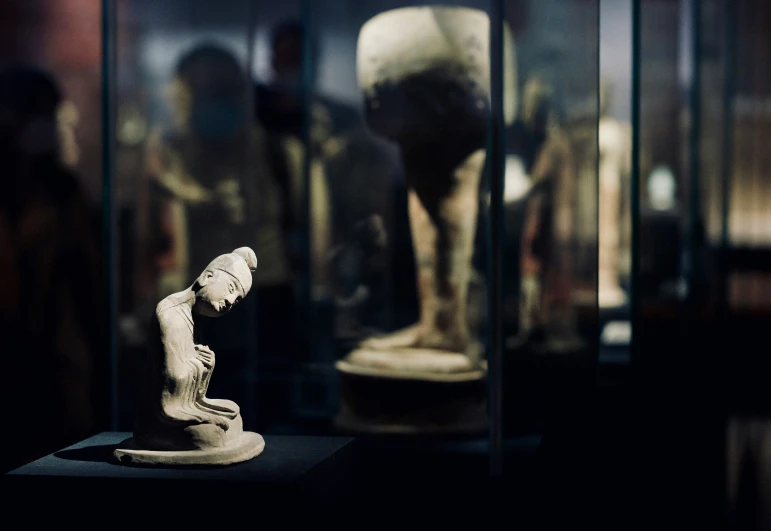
(218, 294)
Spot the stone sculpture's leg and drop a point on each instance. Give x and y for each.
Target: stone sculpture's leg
(443, 215)
(228, 408)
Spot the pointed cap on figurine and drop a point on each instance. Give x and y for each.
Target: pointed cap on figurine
(240, 264)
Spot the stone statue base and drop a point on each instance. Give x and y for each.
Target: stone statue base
(412, 391)
(246, 447)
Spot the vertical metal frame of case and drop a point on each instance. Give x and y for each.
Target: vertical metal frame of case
(109, 221)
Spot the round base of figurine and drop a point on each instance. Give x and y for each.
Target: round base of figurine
(412, 391)
(246, 447)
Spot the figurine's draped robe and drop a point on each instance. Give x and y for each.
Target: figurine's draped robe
(174, 411)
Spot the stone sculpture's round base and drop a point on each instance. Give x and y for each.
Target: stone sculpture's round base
(411, 391)
(247, 446)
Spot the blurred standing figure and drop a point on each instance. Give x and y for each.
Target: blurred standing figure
(544, 147)
(282, 107)
(50, 291)
(194, 205)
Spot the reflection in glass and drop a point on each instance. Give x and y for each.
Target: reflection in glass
(550, 248)
(541, 141)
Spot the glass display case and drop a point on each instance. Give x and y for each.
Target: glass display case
(269, 126)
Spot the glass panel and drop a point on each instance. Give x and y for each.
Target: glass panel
(551, 323)
(352, 160)
(398, 242)
(748, 219)
(664, 178)
(195, 178)
(615, 158)
(330, 225)
(665, 73)
(714, 155)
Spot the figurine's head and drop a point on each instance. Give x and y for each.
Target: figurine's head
(225, 281)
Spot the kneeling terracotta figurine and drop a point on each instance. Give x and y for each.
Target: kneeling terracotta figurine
(177, 424)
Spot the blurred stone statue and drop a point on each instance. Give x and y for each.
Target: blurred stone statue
(425, 76)
(177, 424)
(615, 145)
(432, 101)
(281, 110)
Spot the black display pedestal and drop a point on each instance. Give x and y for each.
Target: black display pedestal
(375, 404)
(292, 471)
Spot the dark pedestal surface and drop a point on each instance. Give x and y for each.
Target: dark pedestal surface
(413, 406)
(292, 471)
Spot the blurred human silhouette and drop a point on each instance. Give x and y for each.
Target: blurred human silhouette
(195, 165)
(542, 144)
(50, 305)
(351, 172)
(280, 103)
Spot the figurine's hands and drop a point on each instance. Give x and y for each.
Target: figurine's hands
(205, 355)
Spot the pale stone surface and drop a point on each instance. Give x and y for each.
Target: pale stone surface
(438, 41)
(425, 74)
(245, 447)
(615, 148)
(177, 424)
(413, 362)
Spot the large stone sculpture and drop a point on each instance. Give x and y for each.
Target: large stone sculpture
(425, 75)
(177, 424)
